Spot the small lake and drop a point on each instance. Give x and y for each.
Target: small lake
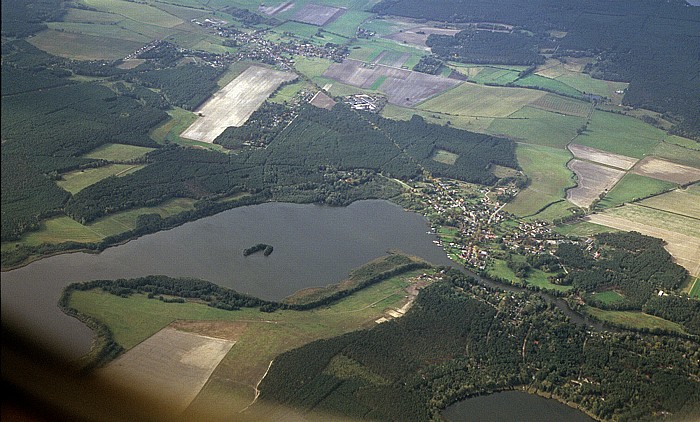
(313, 246)
(512, 406)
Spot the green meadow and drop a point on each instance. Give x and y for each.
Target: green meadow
(537, 126)
(77, 180)
(633, 187)
(620, 134)
(118, 152)
(634, 319)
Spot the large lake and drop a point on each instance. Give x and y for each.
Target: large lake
(512, 406)
(313, 246)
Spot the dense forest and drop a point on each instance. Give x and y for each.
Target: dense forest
(663, 74)
(638, 268)
(473, 46)
(450, 345)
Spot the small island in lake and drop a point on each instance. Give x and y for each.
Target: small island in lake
(267, 249)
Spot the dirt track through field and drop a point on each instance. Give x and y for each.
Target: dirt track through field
(171, 366)
(684, 249)
(234, 103)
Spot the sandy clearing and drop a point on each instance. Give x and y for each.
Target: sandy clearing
(593, 180)
(666, 170)
(234, 103)
(171, 366)
(684, 249)
(602, 157)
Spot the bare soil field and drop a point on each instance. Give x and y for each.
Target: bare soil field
(684, 249)
(322, 100)
(563, 105)
(602, 157)
(666, 170)
(234, 103)
(316, 14)
(171, 366)
(593, 179)
(402, 87)
(131, 63)
(419, 35)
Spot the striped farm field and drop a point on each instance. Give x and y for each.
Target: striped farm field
(564, 105)
(474, 100)
(681, 154)
(680, 201)
(495, 76)
(139, 12)
(553, 85)
(83, 47)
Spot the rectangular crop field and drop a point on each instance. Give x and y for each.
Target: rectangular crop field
(678, 154)
(317, 14)
(419, 35)
(537, 126)
(118, 152)
(593, 180)
(634, 319)
(494, 76)
(83, 47)
(681, 201)
(601, 157)
(549, 177)
(666, 170)
(553, 85)
(633, 187)
(564, 105)
(77, 180)
(233, 104)
(481, 101)
(620, 134)
(171, 365)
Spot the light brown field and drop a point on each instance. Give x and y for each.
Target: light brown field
(234, 103)
(680, 201)
(317, 14)
(322, 100)
(402, 87)
(684, 249)
(602, 157)
(593, 179)
(131, 63)
(173, 365)
(418, 36)
(666, 170)
(271, 10)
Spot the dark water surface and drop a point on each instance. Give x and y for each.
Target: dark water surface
(313, 246)
(513, 406)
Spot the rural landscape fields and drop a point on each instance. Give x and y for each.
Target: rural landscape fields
(576, 160)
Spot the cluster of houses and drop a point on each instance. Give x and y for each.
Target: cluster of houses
(364, 102)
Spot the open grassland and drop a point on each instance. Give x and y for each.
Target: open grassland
(474, 124)
(564, 105)
(90, 16)
(77, 180)
(583, 229)
(347, 23)
(172, 365)
(537, 126)
(548, 174)
(472, 100)
(666, 170)
(547, 84)
(608, 297)
(418, 35)
(538, 278)
(180, 119)
(263, 337)
(683, 142)
(118, 152)
(105, 31)
(311, 67)
(633, 187)
(601, 157)
(233, 104)
(679, 232)
(634, 319)
(554, 211)
(494, 76)
(64, 229)
(445, 157)
(570, 72)
(83, 47)
(680, 201)
(308, 32)
(139, 12)
(593, 180)
(694, 290)
(620, 134)
(678, 154)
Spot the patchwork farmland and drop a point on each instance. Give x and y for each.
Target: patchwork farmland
(666, 170)
(402, 87)
(602, 157)
(233, 104)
